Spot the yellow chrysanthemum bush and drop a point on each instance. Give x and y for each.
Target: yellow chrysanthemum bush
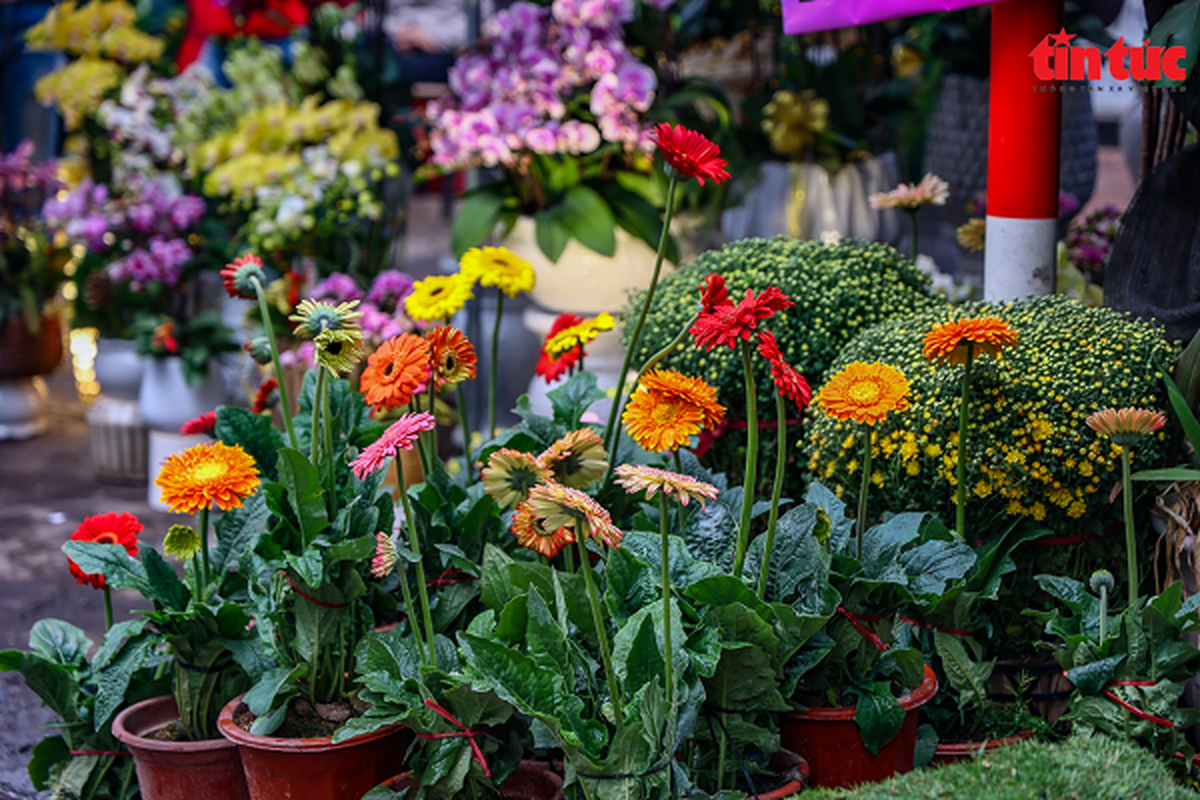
(1031, 453)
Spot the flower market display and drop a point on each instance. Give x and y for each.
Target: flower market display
(823, 526)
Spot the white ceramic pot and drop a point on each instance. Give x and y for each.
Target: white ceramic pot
(22, 408)
(584, 281)
(167, 400)
(118, 368)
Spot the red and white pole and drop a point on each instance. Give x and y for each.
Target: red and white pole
(1023, 141)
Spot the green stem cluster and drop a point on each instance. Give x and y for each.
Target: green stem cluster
(410, 522)
(285, 405)
(776, 491)
(751, 473)
(589, 579)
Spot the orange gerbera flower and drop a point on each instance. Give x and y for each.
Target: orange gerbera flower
(864, 392)
(950, 340)
(206, 474)
(555, 506)
(548, 541)
(395, 371)
(1127, 425)
(453, 355)
(669, 409)
(110, 528)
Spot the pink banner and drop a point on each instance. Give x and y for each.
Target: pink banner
(808, 16)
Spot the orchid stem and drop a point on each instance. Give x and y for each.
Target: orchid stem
(780, 462)
(865, 486)
(285, 405)
(589, 579)
(410, 520)
(610, 427)
(495, 365)
(743, 538)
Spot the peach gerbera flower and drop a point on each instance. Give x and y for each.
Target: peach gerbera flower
(669, 409)
(510, 474)
(109, 528)
(1127, 425)
(638, 478)
(205, 474)
(864, 392)
(554, 506)
(395, 371)
(577, 459)
(951, 340)
(530, 533)
(453, 355)
(932, 190)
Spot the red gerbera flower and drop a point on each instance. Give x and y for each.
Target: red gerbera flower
(714, 294)
(205, 423)
(263, 398)
(791, 384)
(690, 153)
(722, 323)
(552, 369)
(239, 277)
(110, 528)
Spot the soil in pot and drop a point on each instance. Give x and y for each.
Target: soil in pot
(531, 780)
(313, 767)
(829, 739)
(171, 769)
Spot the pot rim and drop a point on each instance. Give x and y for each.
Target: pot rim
(913, 700)
(242, 738)
(970, 748)
(128, 737)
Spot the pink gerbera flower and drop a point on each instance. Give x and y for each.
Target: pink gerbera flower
(402, 435)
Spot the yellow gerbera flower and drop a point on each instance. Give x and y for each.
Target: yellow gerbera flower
(499, 267)
(312, 317)
(570, 338)
(338, 351)
(438, 297)
(205, 474)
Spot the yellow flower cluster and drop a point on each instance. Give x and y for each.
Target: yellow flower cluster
(78, 88)
(267, 142)
(1031, 452)
(80, 30)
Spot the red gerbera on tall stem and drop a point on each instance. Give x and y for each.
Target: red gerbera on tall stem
(109, 528)
(689, 153)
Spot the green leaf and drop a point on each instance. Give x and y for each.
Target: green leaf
(305, 494)
(1179, 26)
(60, 642)
(932, 565)
(1167, 474)
(636, 658)
(114, 637)
(54, 684)
(514, 676)
(113, 681)
(477, 216)
(120, 570)
(586, 217)
(1091, 678)
(629, 585)
(968, 676)
(574, 397)
(236, 529)
(551, 236)
(266, 695)
(357, 549)
(545, 641)
(926, 748)
(167, 588)
(46, 756)
(254, 433)
(879, 715)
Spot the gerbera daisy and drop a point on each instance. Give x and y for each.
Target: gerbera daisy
(452, 355)
(971, 234)
(638, 478)
(950, 340)
(205, 474)
(394, 371)
(499, 267)
(727, 324)
(338, 350)
(530, 533)
(791, 384)
(574, 337)
(689, 154)
(669, 409)
(204, 423)
(550, 367)
(577, 459)
(385, 556)
(932, 190)
(109, 528)
(510, 474)
(438, 297)
(240, 276)
(259, 349)
(182, 542)
(555, 506)
(1127, 425)
(313, 318)
(864, 392)
(400, 435)
(266, 396)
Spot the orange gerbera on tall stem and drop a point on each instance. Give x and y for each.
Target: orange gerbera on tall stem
(959, 342)
(865, 393)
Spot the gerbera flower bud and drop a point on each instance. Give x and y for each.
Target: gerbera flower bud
(240, 277)
(313, 318)
(182, 542)
(259, 349)
(1102, 579)
(1126, 426)
(385, 556)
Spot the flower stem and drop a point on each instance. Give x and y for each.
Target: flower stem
(204, 574)
(912, 217)
(328, 448)
(614, 691)
(495, 365)
(777, 490)
(1130, 540)
(108, 612)
(410, 520)
(461, 398)
(285, 405)
(410, 608)
(610, 427)
(751, 473)
(668, 658)
(865, 486)
(960, 495)
(1103, 614)
(314, 436)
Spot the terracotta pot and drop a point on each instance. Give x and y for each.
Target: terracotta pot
(23, 354)
(531, 780)
(316, 768)
(178, 770)
(829, 739)
(961, 751)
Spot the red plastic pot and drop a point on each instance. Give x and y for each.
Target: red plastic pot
(531, 780)
(178, 770)
(794, 771)
(314, 768)
(829, 739)
(962, 751)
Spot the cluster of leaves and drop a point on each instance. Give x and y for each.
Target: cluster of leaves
(79, 759)
(1147, 645)
(197, 341)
